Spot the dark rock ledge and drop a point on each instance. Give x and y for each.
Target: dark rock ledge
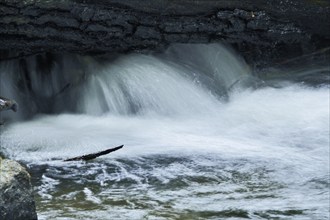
(263, 31)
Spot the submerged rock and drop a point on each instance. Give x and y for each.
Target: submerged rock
(7, 104)
(16, 194)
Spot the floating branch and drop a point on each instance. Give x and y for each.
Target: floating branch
(95, 155)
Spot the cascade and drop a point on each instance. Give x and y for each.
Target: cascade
(203, 136)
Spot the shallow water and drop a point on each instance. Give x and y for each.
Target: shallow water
(189, 153)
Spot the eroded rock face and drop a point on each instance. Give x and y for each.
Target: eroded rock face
(260, 30)
(16, 195)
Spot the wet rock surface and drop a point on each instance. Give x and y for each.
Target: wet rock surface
(16, 195)
(263, 31)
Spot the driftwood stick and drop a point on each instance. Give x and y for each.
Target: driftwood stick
(95, 155)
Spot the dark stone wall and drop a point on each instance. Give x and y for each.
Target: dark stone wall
(263, 31)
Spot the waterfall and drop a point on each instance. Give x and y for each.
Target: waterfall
(203, 137)
(184, 79)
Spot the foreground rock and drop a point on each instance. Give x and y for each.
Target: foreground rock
(16, 195)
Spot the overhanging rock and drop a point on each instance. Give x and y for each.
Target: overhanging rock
(288, 28)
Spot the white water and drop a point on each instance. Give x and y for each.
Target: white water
(188, 151)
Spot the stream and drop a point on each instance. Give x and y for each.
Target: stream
(204, 139)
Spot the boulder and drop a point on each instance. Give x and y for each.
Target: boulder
(16, 194)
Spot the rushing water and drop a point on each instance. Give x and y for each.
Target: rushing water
(203, 140)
